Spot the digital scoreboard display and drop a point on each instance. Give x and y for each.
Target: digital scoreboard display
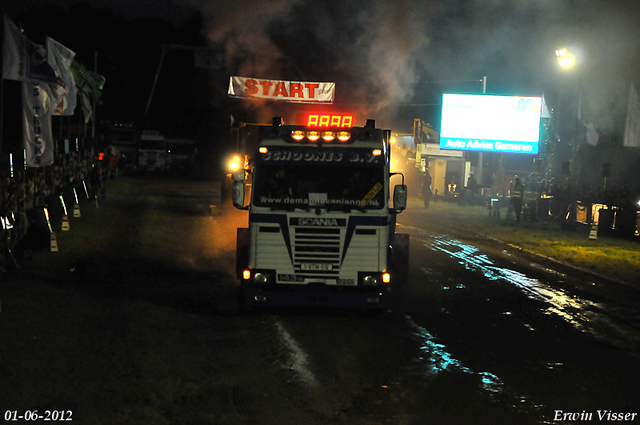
(489, 123)
(329, 120)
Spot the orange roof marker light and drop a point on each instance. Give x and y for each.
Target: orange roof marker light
(297, 135)
(344, 136)
(328, 136)
(313, 135)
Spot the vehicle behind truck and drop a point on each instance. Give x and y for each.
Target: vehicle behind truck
(321, 229)
(152, 151)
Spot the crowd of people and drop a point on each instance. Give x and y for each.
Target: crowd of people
(24, 189)
(533, 197)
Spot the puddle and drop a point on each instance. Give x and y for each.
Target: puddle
(584, 315)
(435, 359)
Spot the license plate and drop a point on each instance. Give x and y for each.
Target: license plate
(316, 266)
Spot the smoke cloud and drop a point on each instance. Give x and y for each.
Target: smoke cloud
(386, 55)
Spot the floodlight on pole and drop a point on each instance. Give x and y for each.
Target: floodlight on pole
(565, 59)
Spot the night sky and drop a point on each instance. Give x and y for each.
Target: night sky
(391, 60)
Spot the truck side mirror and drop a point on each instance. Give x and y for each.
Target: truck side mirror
(400, 197)
(238, 192)
(237, 195)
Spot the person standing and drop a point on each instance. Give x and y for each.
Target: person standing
(427, 192)
(472, 187)
(517, 193)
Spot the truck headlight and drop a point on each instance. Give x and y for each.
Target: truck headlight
(261, 278)
(371, 280)
(374, 278)
(258, 277)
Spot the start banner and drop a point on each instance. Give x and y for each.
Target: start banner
(287, 91)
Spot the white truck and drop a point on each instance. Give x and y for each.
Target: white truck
(152, 151)
(321, 229)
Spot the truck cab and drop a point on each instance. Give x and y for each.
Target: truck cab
(152, 151)
(321, 229)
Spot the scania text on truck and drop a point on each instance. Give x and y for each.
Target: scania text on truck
(321, 229)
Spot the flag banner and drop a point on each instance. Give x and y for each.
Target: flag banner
(23, 60)
(632, 128)
(61, 58)
(584, 115)
(37, 135)
(87, 81)
(545, 109)
(287, 91)
(85, 105)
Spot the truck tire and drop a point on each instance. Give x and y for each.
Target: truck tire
(400, 270)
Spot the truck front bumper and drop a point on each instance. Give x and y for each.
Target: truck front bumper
(296, 296)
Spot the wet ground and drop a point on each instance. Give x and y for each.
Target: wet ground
(487, 334)
(540, 337)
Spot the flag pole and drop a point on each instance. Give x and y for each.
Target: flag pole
(155, 81)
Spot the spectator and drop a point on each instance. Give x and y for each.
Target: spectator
(472, 187)
(517, 194)
(427, 191)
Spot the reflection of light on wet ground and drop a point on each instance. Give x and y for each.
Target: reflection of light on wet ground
(298, 360)
(435, 358)
(579, 312)
(567, 307)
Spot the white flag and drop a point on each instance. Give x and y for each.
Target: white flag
(632, 129)
(61, 58)
(545, 110)
(23, 60)
(85, 105)
(38, 138)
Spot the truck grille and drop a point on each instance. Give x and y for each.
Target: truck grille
(316, 251)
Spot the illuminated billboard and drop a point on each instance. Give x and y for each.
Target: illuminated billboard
(507, 124)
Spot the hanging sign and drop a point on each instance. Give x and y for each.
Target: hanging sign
(287, 91)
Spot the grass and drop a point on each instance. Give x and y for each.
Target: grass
(609, 256)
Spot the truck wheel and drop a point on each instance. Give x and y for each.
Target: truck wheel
(400, 270)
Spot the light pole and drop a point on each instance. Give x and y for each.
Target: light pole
(567, 61)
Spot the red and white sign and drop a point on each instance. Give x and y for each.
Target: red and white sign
(288, 91)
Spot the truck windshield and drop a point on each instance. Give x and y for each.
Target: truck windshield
(336, 187)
